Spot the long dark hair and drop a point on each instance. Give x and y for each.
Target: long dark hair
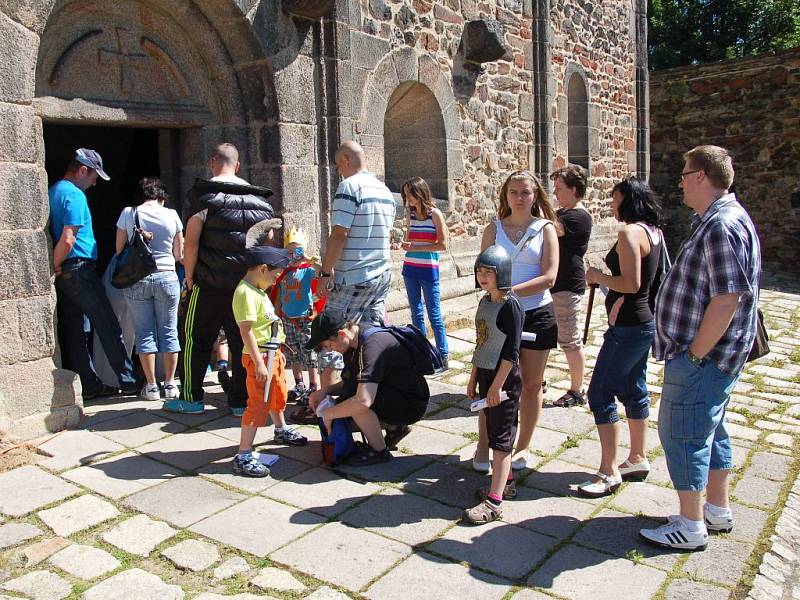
(418, 187)
(639, 202)
(152, 188)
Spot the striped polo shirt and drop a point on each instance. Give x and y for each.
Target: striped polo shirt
(421, 265)
(364, 206)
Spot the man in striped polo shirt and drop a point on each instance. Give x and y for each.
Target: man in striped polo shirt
(356, 258)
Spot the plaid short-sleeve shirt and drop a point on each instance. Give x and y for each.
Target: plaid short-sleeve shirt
(721, 256)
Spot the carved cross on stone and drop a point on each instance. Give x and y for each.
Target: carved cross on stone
(124, 57)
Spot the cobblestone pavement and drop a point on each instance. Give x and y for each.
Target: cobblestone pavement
(142, 504)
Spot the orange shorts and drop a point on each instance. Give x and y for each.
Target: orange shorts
(257, 411)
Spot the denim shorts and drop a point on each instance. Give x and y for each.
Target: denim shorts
(153, 303)
(691, 421)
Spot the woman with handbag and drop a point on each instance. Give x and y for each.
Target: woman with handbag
(153, 299)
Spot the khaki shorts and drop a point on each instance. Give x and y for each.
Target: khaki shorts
(567, 306)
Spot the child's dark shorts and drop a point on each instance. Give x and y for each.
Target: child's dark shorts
(501, 420)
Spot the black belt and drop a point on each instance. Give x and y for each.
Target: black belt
(72, 264)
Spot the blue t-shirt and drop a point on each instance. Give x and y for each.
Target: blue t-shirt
(295, 292)
(68, 206)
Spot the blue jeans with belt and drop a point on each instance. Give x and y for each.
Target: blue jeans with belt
(80, 292)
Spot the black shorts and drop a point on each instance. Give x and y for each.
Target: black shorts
(542, 322)
(501, 420)
(399, 407)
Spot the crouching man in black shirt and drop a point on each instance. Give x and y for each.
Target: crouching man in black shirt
(380, 386)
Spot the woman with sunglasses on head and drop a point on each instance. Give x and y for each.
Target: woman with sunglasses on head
(524, 228)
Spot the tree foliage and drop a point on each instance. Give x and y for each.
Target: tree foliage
(684, 32)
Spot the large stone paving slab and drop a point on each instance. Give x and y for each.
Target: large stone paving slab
(40, 585)
(321, 491)
(221, 472)
(84, 562)
(183, 500)
(190, 450)
(138, 535)
(397, 469)
(78, 447)
(453, 420)
(424, 575)
(194, 555)
(539, 511)
(28, 488)
(270, 525)
(575, 572)
(230, 428)
(81, 513)
(567, 420)
(757, 491)
(12, 534)
(353, 557)
(401, 516)
(447, 484)
(723, 561)
(137, 429)
(558, 477)
(122, 475)
(684, 589)
(501, 548)
(647, 499)
(133, 584)
(423, 440)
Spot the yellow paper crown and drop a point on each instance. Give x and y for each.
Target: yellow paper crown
(295, 236)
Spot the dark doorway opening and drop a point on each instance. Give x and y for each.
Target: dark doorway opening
(128, 155)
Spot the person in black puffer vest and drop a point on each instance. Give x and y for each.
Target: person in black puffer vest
(217, 215)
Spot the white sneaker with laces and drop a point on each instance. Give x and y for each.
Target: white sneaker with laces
(717, 524)
(171, 390)
(151, 392)
(675, 535)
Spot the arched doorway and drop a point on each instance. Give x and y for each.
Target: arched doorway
(578, 121)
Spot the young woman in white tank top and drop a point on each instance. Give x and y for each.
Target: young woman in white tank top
(524, 227)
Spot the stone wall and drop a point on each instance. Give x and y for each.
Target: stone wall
(752, 107)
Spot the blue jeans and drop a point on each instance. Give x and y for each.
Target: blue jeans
(691, 421)
(620, 372)
(415, 288)
(80, 292)
(153, 302)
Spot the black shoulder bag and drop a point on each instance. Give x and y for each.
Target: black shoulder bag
(136, 260)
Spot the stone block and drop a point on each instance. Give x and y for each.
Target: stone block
(406, 64)
(121, 475)
(17, 76)
(84, 562)
(770, 466)
(647, 499)
(424, 575)
(454, 420)
(367, 50)
(27, 262)
(23, 181)
(222, 472)
(27, 488)
(159, 500)
(270, 578)
(684, 589)
(79, 447)
(133, 584)
(384, 77)
(194, 555)
(30, 13)
(327, 593)
(270, 525)
(294, 86)
(26, 329)
(296, 144)
(78, 514)
(40, 585)
(189, 450)
(723, 561)
(349, 566)
(482, 40)
(430, 442)
(231, 567)
(542, 512)
(395, 470)
(18, 132)
(136, 428)
(138, 535)
(446, 483)
(36, 553)
(757, 491)
(12, 534)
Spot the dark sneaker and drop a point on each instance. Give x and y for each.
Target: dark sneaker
(129, 389)
(366, 455)
(297, 392)
(104, 391)
(249, 466)
(290, 437)
(393, 436)
(224, 379)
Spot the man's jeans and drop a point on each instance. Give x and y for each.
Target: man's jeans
(80, 292)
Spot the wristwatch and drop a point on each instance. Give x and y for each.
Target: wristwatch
(698, 362)
(324, 274)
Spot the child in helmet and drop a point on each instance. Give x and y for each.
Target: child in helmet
(495, 369)
(293, 296)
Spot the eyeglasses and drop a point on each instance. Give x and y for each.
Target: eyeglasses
(684, 174)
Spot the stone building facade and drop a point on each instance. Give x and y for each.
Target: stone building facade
(752, 107)
(461, 92)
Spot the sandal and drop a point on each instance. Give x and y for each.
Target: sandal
(570, 399)
(484, 513)
(509, 491)
(597, 489)
(634, 472)
(365, 455)
(393, 436)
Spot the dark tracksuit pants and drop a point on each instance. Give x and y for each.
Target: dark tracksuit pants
(208, 309)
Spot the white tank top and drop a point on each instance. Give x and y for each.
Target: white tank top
(527, 263)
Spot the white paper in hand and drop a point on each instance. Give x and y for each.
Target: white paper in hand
(481, 404)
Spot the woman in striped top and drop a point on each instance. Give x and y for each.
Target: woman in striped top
(426, 236)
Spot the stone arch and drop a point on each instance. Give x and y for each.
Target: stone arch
(402, 71)
(577, 91)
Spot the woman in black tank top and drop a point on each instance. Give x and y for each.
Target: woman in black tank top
(621, 365)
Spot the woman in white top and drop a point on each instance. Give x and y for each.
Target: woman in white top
(153, 301)
(524, 227)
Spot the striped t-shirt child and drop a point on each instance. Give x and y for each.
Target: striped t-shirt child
(421, 265)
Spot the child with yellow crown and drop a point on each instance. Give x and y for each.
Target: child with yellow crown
(293, 295)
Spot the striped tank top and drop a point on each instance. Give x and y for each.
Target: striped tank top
(421, 265)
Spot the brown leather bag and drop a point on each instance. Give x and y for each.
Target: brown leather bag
(760, 345)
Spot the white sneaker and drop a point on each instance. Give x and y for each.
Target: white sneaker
(151, 392)
(520, 463)
(635, 472)
(171, 390)
(717, 524)
(676, 535)
(481, 467)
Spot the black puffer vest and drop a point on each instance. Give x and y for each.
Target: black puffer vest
(232, 209)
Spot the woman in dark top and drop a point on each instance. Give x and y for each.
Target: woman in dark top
(622, 362)
(574, 226)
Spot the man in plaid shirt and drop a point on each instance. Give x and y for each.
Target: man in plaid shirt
(705, 328)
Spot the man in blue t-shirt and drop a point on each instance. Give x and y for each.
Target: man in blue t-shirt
(78, 288)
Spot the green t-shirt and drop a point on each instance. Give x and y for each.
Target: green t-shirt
(253, 305)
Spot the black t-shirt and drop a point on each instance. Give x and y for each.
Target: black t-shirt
(571, 248)
(509, 321)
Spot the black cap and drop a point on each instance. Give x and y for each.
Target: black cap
(267, 255)
(89, 158)
(324, 326)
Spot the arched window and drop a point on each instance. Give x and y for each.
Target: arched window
(577, 121)
(414, 139)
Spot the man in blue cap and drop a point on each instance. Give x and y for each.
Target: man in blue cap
(79, 290)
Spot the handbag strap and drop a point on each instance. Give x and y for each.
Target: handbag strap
(532, 231)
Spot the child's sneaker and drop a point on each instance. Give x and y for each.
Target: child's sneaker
(171, 390)
(249, 466)
(150, 391)
(297, 392)
(290, 437)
